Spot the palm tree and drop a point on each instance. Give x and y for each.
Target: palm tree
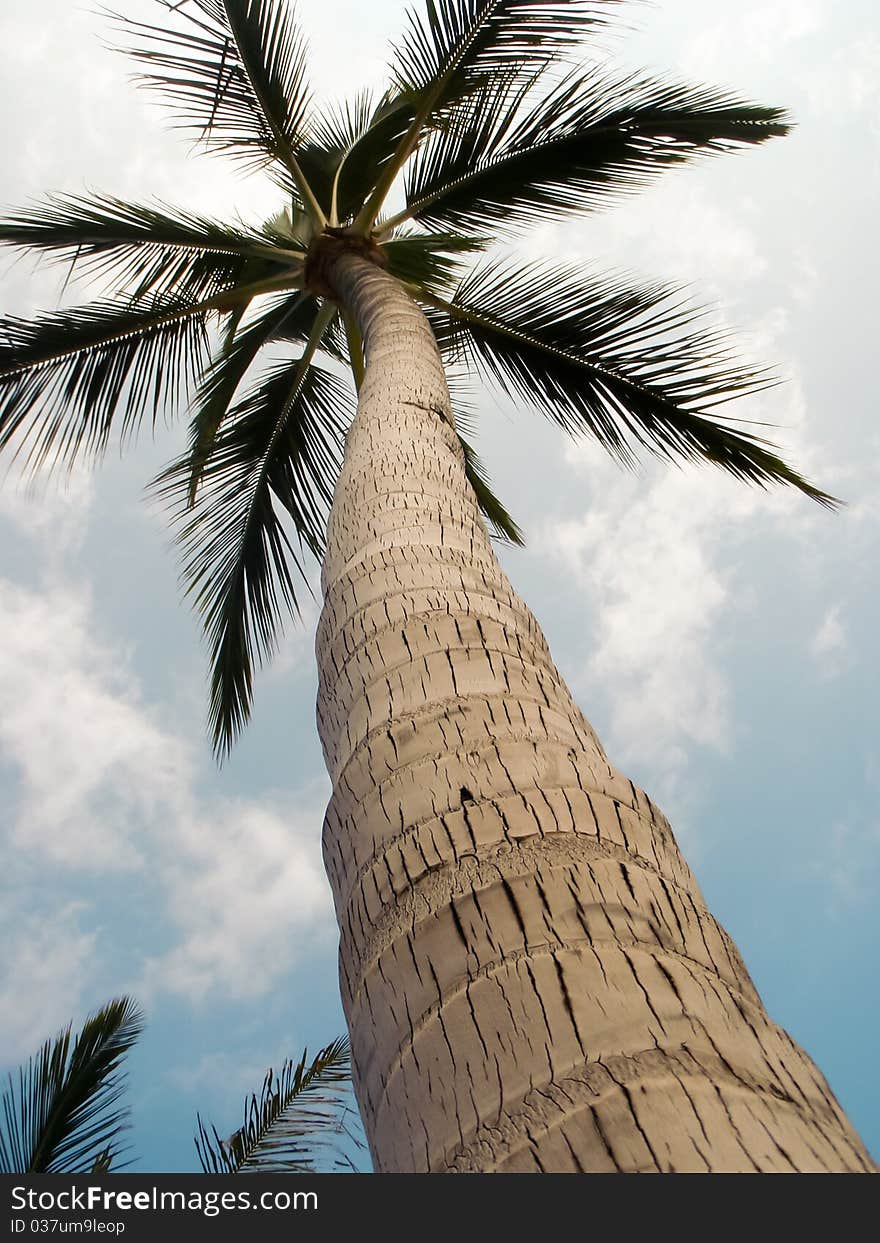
(62, 1113)
(531, 978)
(297, 1125)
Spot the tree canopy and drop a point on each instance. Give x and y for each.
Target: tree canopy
(495, 118)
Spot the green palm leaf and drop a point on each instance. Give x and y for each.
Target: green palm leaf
(509, 155)
(235, 72)
(456, 43)
(295, 1125)
(145, 248)
(458, 46)
(64, 376)
(276, 454)
(350, 148)
(428, 261)
(62, 1113)
(633, 368)
(501, 524)
(291, 315)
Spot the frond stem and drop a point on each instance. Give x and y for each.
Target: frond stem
(334, 210)
(369, 212)
(220, 302)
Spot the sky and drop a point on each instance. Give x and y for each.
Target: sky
(721, 640)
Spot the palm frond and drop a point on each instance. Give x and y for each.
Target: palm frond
(277, 453)
(349, 149)
(456, 149)
(428, 261)
(501, 525)
(457, 43)
(341, 123)
(296, 1125)
(235, 73)
(633, 368)
(144, 248)
(458, 46)
(292, 315)
(290, 229)
(65, 375)
(62, 1113)
(509, 155)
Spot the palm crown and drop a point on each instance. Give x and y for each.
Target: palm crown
(489, 132)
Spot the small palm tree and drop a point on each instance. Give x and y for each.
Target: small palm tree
(62, 1113)
(519, 930)
(299, 1122)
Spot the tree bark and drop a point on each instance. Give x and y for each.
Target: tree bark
(530, 975)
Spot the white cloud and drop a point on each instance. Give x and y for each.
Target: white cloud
(223, 1076)
(51, 508)
(829, 643)
(752, 32)
(247, 890)
(100, 784)
(679, 230)
(767, 28)
(657, 553)
(658, 556)
(46, 968)
(91, 763)
(849, 864)
(659, 598)
(851, 77)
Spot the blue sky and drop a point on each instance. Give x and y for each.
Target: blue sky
(722, 641)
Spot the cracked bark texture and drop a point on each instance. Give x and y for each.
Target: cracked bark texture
(530, 975)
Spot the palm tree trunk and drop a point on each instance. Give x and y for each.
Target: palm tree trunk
(530, 975)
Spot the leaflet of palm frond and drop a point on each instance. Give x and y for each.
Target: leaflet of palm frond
(514, 157)
(469, 128)
(66, 376)
(295, 1125)
(62, 1113)
(141, 249)
(274, 460)
(634, 368)
(234, 73)
(336, 342)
